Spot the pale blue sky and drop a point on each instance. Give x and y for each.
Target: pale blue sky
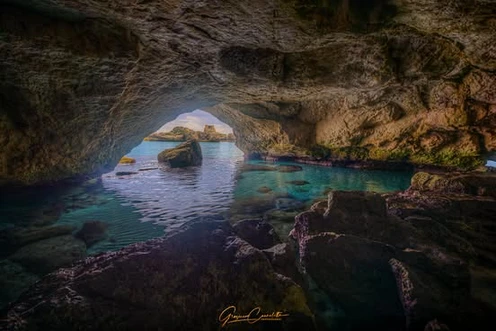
(196, 120)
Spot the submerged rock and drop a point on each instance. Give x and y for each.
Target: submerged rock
(264, 189)
(256, 167)
(298, 182)
(14, 238)
(47, 255)
(183, 281)
(184, 155)
(289, 168)
(92, 232)
(258, 233)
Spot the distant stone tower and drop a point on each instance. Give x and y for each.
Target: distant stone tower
(209, 129)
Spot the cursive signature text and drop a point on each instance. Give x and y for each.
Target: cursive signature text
(229, 316)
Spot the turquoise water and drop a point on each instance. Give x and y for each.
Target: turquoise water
(155, 199)
(143, 205)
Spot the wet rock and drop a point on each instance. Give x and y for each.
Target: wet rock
(125, 173)
(283, 258)
(186, 154)
(258, 233)
(479, 184)
(289, 204)
(256, 167)
(354, 272)
(184, 280)
(50, 254)
(431, 288)
(289, 168)
(264, 189)
(92, 232)
(14, 280)
(127, 160)
(298, 182)
(356, 213)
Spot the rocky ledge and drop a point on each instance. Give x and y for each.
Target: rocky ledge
(399, 261)
(179, 133)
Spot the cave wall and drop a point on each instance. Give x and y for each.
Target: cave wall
(82, 82)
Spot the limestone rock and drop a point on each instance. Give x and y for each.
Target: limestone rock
(288, 76)
(184, 155)
(184, 281)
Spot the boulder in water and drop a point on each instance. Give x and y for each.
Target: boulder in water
(184, 155)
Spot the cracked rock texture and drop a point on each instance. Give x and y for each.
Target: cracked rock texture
(82, 82)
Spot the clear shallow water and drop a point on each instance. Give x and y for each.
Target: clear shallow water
(143, 205)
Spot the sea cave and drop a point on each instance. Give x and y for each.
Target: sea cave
(248, 165)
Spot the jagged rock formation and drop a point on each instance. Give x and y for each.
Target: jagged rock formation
(82, 82)
(398, 261)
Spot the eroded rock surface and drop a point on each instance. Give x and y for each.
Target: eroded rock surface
(399, 261)
(187, 154)
(181, 282)
(82, 82)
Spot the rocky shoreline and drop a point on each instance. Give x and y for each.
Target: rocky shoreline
(415, 260)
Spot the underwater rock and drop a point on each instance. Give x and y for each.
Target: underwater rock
(298, 182)
(183, 281)
(289, 204)
(92, 232)
(13, 281)
(186, 154)
(289, 168)
(12, 239)
(47, 255)
(264, 189)
(256, 167)
(127, 160)
(258, 233)
(280, 216)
